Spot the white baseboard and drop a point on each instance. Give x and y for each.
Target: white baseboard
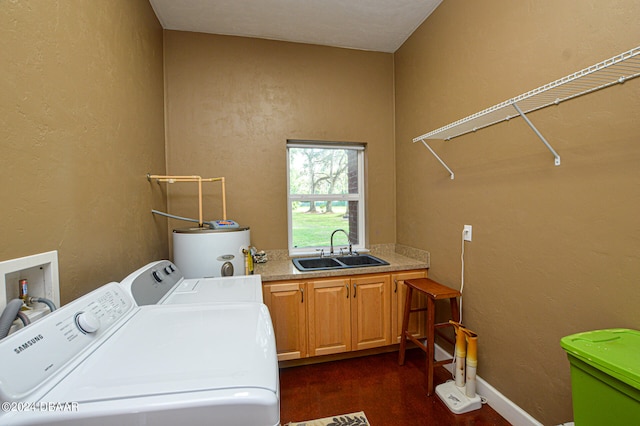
(503, 406)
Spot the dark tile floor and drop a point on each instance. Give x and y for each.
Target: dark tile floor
(388, 393)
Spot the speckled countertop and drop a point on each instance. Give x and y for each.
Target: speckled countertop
(400, 258)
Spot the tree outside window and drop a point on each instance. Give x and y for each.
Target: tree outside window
(325, 194)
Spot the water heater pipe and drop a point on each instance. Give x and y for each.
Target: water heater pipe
(199, 180)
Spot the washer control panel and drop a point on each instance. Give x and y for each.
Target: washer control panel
(153, 282)
(59, 341)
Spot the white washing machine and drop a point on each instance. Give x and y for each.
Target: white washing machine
(163, 283)
(103, 360)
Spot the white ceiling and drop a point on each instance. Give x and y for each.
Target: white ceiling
(378, 25)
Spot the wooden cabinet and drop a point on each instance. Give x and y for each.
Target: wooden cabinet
(370, 311)
(329, 316)
(288, 308)
(349, 314)
(342, 314)
(417, 321)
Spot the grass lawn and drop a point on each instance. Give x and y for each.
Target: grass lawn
(314, 229)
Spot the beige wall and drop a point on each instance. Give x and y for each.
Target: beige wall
(233, 102)
(555, 250)
(82, 123)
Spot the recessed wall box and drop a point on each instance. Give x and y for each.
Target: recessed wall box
(41, 273)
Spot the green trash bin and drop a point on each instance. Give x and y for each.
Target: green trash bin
(605, 376)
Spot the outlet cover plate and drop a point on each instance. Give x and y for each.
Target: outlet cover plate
(467, 232)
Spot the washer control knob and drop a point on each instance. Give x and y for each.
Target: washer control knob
(167, 270)
(157, 276)
(87, 322)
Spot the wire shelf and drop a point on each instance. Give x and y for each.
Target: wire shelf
(616, 70)
(612, 71)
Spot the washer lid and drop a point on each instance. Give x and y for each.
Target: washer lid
(237, 288)
(168, 349)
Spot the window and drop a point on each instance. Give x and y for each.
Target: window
(326, 193)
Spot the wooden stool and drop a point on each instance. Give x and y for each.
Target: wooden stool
(433, 291)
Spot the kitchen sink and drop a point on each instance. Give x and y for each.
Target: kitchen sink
(339, 262)
(314, 263)
(361, 260)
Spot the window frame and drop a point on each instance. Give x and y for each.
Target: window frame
(360, 148)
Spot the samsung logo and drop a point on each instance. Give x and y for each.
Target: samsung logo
(28, 343)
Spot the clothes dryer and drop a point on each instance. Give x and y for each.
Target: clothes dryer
(162, 282)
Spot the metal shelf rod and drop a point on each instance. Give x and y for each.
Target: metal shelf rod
(439, 159)
(555, 154)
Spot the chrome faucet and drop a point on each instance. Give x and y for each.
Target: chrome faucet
(345, 233)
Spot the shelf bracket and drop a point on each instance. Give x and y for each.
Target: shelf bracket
(549, 147)
(439, 159)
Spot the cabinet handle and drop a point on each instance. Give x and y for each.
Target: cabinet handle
(354, 291)
(347, 286)
(302, 295)
(395, 290)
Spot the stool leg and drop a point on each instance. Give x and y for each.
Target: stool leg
(405, 325)
(431, 320)
(455, 310)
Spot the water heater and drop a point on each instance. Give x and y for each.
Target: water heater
(206, 252)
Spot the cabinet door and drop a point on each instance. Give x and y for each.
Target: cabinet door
(417, 321)
(329, 316)
(287, 306)
(370, 311)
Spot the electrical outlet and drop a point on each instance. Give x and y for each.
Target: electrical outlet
(466, 232)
